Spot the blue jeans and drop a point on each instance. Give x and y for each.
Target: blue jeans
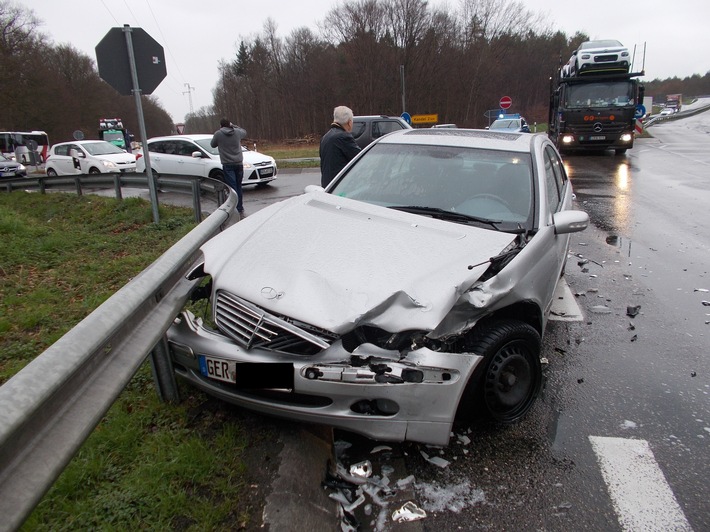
(233, 175)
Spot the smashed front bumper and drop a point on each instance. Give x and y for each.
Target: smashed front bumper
(372, 391)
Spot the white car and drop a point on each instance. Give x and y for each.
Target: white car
(193, 155)
(598, 56)
(88, 157)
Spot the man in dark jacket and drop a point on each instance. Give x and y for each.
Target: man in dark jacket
(228, 141)
(337, 147)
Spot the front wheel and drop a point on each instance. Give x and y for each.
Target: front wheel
(508, 380)
(94, 171)
(51, 172)
(621, 151)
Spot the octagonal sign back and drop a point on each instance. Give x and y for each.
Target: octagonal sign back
(114, 64)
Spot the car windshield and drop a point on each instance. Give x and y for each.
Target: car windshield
(506, 124)
(465, 185)
(205, 145)
(101, 148)
(591, 95)
(600, 44)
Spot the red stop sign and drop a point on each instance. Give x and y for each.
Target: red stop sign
(505, 102)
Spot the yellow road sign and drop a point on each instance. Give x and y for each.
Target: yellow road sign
(425, 119)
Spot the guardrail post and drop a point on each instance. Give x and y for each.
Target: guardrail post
(162, 369)
(117, 186)
(41, 185)
(77, 182)
(196, 204)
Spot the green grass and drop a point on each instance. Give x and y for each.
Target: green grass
(147, 465)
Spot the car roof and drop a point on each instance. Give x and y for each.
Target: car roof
(467, 138)
(81, 142)
(196, 136)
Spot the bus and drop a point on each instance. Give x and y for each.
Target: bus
(10, 140)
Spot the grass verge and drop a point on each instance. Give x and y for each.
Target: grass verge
(200, 465)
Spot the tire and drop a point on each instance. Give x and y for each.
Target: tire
(51, 172)
(507, 382)
(217, 174)
(94, 171)
(620, 151)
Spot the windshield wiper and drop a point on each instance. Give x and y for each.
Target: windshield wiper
(443, 214)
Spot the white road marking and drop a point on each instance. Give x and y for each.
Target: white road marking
(564, 304)
(642, 499)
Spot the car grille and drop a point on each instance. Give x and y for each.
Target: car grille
(252, 327)
(589, 128)
(609, 58)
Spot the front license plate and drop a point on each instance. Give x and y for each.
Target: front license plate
(218, 368)
(597, 137)
(266, 172)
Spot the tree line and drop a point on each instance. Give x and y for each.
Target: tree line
(56, 88)
(376, 56)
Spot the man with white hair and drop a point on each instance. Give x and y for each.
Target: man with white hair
(337, 147)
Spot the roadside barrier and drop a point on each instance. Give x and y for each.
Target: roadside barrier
(51, 406)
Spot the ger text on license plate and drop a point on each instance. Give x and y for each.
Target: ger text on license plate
(266, 172)
(218, 368)
(597, 137)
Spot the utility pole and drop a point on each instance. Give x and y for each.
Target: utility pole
(189, 94)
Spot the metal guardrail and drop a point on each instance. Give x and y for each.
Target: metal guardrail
(198, 187)
(675, 116)
(51, 406)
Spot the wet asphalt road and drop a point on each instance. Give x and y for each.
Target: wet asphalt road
(643, 378)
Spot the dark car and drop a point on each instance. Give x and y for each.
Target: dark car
(517, 125)
(10, 168)
(369, 128)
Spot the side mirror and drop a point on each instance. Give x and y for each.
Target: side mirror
(77, 154)
(566, 222)
(197, 154)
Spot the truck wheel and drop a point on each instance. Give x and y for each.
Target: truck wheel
(621, 151)
(506, 383)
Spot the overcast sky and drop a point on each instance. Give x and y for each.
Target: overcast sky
(197, 35)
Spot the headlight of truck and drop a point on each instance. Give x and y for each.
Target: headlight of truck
(626, 137)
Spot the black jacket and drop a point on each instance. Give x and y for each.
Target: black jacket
(337, 148)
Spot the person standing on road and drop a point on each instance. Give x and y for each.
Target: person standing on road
(337, 147)
(228, 141)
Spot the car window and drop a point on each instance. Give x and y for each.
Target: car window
(184, 148)
(62, 150)
(358, 129)
(382, 127)
(555, 178)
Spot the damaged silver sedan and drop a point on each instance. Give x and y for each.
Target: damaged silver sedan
(413, 289)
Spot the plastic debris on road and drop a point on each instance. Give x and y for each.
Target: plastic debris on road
(408, 512)
(362, 469)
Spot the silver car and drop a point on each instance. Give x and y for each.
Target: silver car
(416, 287)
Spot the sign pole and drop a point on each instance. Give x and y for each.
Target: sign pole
(141, 124)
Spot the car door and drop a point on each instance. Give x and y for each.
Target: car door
(62, 161)
(163, 159)
(559, 197)
(187, 164)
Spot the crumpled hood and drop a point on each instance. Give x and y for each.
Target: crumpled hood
(336, 263)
